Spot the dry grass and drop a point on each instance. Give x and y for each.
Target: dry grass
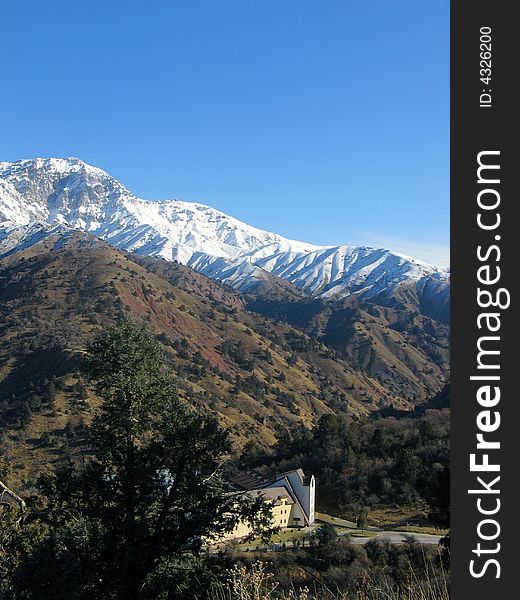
(412, 519)
(257, 583)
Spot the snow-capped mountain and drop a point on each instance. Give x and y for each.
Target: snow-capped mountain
(41, 197)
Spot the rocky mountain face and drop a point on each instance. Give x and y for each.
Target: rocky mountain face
(36, 196)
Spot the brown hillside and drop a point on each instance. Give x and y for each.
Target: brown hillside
(390, 339)
(259, 376)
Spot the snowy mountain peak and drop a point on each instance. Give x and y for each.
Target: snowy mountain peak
(45, 192)
(48, 166)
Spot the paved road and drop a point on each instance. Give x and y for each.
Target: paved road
(398, 537)
(395, 537)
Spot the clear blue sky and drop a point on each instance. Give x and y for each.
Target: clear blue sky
(326, 121)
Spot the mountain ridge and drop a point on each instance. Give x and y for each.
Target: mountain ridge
(46, 192)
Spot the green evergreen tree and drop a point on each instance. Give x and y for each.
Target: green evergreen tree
(150, 497)
(50, 393)
(326, 535)
(25, 414)
(69, 430)
(362, 520)
(293, 359)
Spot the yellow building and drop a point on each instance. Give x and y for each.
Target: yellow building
(291, 495)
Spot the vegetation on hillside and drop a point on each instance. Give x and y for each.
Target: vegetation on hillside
(391, 339)
(388, 461)
(152, 493)
(130, 461)
(258, 376)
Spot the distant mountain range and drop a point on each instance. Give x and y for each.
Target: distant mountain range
(298, 332)
(42, 197)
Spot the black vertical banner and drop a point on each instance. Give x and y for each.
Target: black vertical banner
(485, 194)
